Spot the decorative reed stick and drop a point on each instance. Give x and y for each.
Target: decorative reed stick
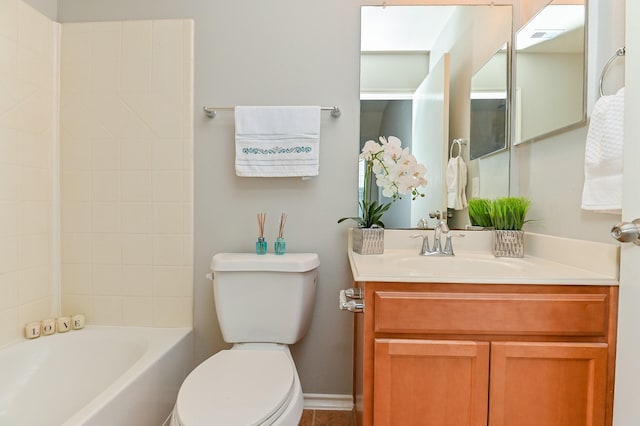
(283, 220)
(261, 219)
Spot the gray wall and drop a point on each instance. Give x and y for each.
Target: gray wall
(282, 52)
(307, 52)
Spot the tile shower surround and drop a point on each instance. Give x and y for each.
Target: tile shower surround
(124, 120)
(126, 172)
(28, 84)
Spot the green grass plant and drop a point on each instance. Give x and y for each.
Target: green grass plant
(479, 212)
(509, 213)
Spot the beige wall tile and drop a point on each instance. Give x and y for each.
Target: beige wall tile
(168, 218)
(106, 280)
(76, 248)
(34, 311)
(105, 154)
(135, 73)
(77, 304)
(105, 217)
(137, 280)
(136, 186)
(138, 311)
(167, 154)
(8, 254)
(168, 250)
(106, 249)
(171, 281)
(105, 186)
(8, 219)
(76, 278)
(127, 172)
(8, 182)
(34, 284)
(75, 155)
(135, 154)
(136, 218)
(137, 249)
(9, 19)
(166, 186)
(8, 290)
(76, 216)
(172, 311)
(107, 310)
(10, 328)
(76, 186)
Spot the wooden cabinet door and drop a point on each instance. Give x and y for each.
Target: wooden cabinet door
(547, 384)
(430, 383)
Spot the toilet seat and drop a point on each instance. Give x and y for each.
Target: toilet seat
(237, 387)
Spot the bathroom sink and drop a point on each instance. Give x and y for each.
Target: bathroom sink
(437, 265)
(462, 265)
(551, 260)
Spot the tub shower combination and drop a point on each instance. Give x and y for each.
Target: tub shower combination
(99, 375)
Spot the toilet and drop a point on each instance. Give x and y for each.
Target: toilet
(264, 303)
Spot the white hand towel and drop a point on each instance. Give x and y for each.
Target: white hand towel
(602, 191)
(277, 141)
(456, 183)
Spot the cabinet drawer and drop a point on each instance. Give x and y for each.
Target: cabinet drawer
(491, 313)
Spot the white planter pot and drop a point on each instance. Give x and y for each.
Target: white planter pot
(368, 240)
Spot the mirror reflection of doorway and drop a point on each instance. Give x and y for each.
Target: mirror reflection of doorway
(387, 117)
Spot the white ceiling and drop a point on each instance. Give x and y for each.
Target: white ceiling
(415, 28)
(402, 28)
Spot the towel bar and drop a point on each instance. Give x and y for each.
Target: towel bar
(619, 52)
(211, 111)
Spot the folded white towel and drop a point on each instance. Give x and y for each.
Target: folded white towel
(277, 141)
(602, 191)
(456, 183)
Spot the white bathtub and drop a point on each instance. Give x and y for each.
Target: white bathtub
(94, 376)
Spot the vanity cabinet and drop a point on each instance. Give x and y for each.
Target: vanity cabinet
(485, 354)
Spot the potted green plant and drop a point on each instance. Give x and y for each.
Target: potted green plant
(508, 215)
(398, 173)
(479, 213)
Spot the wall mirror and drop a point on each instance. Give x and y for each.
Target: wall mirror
(417, 66)
(489, 125)
(550, 78)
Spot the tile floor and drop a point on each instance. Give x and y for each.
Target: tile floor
(326, 418)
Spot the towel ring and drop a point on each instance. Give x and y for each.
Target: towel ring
(458, 142)
(619, 52)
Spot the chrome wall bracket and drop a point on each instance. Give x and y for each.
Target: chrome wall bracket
(356, 304)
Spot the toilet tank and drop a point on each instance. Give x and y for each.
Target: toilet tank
(264, 298)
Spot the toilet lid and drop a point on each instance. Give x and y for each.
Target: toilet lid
(236, 387)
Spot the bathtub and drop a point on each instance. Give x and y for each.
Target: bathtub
(94, 376)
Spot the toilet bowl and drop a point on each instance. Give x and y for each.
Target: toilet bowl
(263, 303)
(248, 385)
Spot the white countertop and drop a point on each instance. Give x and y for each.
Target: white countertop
(547, 260)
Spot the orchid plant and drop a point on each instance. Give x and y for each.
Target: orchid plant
(396, 171)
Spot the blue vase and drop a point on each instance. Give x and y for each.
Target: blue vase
(261, 246)
(280, 246)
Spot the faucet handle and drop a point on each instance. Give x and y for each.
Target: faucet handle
(448, 247)
(425, 243)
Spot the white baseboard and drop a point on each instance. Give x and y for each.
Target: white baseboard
(318, 401)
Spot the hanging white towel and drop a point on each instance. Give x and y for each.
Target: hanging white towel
(602, 191)
(456, 183)
(277, 141)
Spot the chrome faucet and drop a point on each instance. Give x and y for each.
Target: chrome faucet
(441, 229)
